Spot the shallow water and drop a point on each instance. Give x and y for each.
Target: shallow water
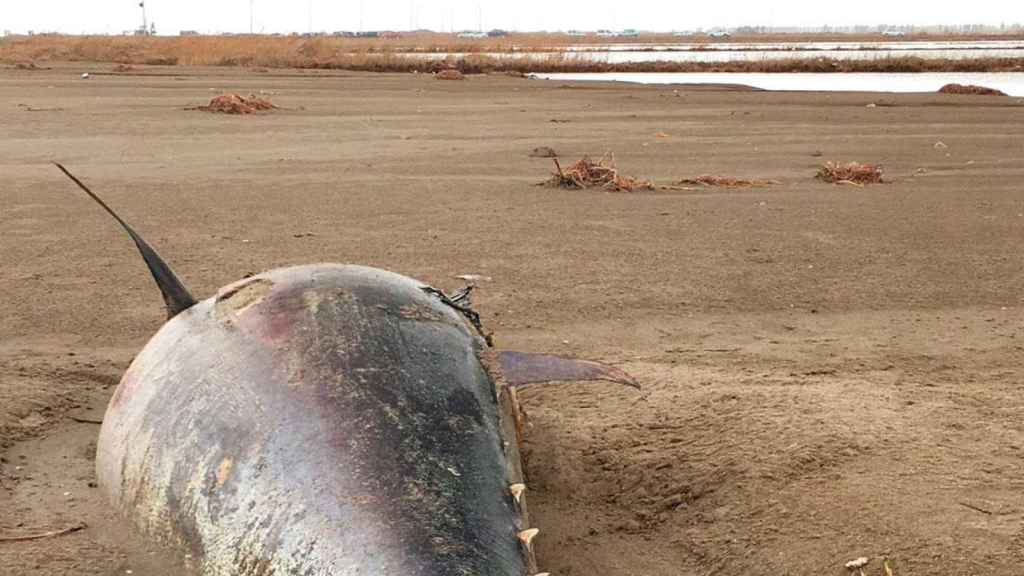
(1010, 82)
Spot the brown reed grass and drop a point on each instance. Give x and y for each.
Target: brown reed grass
(392, 55)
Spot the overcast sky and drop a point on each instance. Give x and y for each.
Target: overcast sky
(171, 16)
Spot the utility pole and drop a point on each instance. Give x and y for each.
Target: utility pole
(145, 25)
(250, 17)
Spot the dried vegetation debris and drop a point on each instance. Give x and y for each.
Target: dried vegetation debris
(725, 182)
(450, 74)
(850, 173)
(587, 173)
(602, 173)
(232, 103)
(543, 152)
(970, 89)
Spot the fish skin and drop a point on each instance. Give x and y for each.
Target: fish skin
(320, 419)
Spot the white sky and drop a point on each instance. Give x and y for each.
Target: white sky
(171, 16)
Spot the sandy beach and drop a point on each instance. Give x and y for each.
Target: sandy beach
(828, 372)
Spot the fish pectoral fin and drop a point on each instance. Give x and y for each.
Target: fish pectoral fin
(523, 368)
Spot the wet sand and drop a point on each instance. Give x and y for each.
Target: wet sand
(830, 371)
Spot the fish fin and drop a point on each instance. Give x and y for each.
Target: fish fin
(176, 296)
(522, 368)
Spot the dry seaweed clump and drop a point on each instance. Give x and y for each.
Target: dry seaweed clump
(450, 74)
(236, 104)
(586, 173)
(970, 89)
(726, 182)
(850, 173)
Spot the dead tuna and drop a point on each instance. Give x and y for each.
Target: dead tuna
(325, 420)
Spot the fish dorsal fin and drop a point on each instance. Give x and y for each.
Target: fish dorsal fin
(176, 296)
(522, 368)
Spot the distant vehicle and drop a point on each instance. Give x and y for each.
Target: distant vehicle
(576, 33)
(629, 33)
(606, 33)
(189, 33)
(894, 33)
(472, 35)
(369, 34)
(497, 33)
(719, 34)
(343, 34)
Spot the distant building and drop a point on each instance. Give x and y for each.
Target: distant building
(189, 33)
(629, 33)
(496, 33)
(472, 35)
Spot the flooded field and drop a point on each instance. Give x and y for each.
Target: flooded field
(1011, 83)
